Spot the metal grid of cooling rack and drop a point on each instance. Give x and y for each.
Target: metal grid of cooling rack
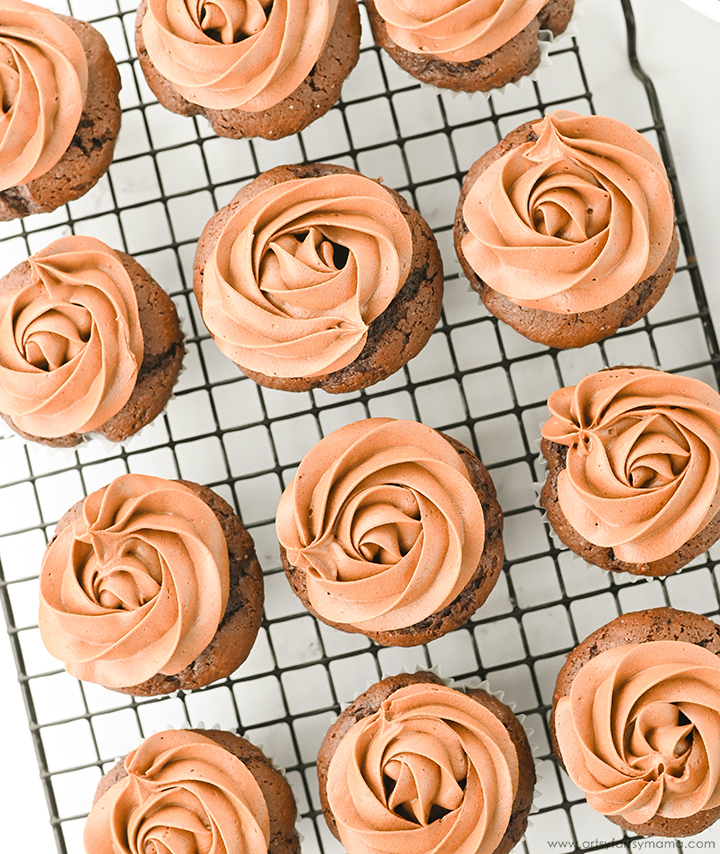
(476, 380)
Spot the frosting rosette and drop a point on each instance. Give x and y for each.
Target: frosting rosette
(231, 54)
(384, 523)
(431, 771)
(301, 269)
(183, 793)
(71, 344)
(572, 221)
(639, 731)
(456, 30)
(43, 87)
(642, 469)
(137, 585)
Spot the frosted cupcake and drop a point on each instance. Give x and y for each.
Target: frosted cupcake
(317, 277)
(150, 586)
(61, 112)
(257, 68)
(466, 45)
(634, 469)
(567, 229)
(391, 529)
(414, 765)
(199, 791)
(636, 721)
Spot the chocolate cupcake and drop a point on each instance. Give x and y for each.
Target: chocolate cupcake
(391, 529)
(566, 229)
(634, 469)
(150, 586)
(203, 791)
(414, 765)
(466, 45)
(259, 68)
(89, 343)
(636, 721)
(318, 277)
(61, 112)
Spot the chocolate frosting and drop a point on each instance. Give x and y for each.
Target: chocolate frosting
(300, 271)
(384, 522)
(43, 87)
(137, 585)
(229, 54)
(571, 222)
(642, 472)
(70, 340)
(183, 793)
(639, 732)
(456, 30)
(431, 771)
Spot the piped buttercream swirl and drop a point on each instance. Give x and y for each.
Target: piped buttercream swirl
(300, 271)
(456, 30)
(642, 472)
(232, 54)
(571, 222)
(183, 793)
(71, 344)
(384, 522)
(137, 585)
(431, 772)
(43, 87)
(639, 731)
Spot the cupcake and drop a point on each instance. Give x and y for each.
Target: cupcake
(150, 586)
(466, 45)
(636, 721)
(89, 343)
(257, 68)
(61, 112)
(413, 765)
(199, 791)
(566, 228)
(634, 469)
(318, 277)
(391, 529)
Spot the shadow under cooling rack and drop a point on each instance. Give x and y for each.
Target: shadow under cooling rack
(476, 380)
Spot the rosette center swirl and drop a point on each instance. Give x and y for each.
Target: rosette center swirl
(229, 21)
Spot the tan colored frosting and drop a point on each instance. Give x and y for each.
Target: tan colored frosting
(183, 794)
(70, 340)
(431, 771)
(301, 270)
(573, 221)
(456, 30)
(639, 732)
(384, 522)
(225, 54)
(643, 463)
(43, 86)
(137, 585)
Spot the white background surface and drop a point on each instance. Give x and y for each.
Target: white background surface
(681, 52)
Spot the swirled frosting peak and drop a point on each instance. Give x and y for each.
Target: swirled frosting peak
(456, 30)
(639, 731)
(301, 270)
(43, 86)
(70, 340)
(383, 521)
(642, 472)
(236, 54)
(431, 772)
(137, 585)
(572, 221)
(183, 794)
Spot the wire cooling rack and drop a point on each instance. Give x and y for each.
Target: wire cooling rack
(476, 380)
